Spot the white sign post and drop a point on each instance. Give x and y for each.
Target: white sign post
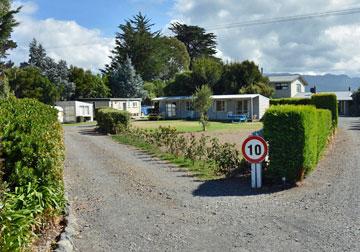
(254, 150)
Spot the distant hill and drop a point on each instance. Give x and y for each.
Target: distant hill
(331, 82)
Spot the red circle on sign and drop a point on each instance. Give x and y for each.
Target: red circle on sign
(262, 141)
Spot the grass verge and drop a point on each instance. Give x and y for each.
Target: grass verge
(199, 169)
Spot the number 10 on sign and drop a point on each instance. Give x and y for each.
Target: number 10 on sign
(254, 150)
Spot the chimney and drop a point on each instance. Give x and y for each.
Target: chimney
(313, 90)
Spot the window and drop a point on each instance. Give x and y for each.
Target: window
(242, 107)
(171, 109)
(298, 88)
(84, 110)
(281, 86)
(220, 106)
(134, 104)
(189, 106)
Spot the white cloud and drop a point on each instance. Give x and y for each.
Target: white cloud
(62, 39)
(328, 44)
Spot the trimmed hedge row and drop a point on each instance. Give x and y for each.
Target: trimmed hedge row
(297, 135)
(320, 101)
(32, 145)
(108, 119)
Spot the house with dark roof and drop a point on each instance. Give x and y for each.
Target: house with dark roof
(287, 86)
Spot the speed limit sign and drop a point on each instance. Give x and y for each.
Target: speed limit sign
(254, 149)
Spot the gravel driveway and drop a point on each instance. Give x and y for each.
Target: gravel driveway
(125, 200)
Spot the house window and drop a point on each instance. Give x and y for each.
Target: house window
(298, 88)
(189, 106)
(134, 104)
(220, 106)
(171, 109)
(242, 107)
(84, 110)
(281, 86)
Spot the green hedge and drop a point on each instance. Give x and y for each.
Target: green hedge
(32, 145)
(320, 101)
(296, 135)
(290, 101)
(327, 101)
(108, 119)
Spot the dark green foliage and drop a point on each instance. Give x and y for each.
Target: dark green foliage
(327, 101)
(206, 71)
(7, 24)
(297, 135)
(290, 101)
(33, 148)
(258, 88)
(239, 75)
(125, 82)
(28, 82)
(183, 84)
(355, 107)
(108, 119)
(87, 84)
(197, 41)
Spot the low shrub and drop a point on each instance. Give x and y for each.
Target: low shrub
(297, 136)
(32, 145)
(327, 101)
(222, 159)
(290, 101)
(108, 119)
(154, 117)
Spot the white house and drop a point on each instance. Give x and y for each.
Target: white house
(224, 107)
(132, 105)
(287, 86)
(74, 110)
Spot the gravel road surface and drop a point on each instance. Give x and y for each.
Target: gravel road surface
(125, 200)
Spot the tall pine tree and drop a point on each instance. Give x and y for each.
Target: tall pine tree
(125, 82)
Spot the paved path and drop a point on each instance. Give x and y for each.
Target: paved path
(125, 200)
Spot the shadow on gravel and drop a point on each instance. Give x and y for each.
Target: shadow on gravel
(232, 187)
(89, 132)
(354, 126)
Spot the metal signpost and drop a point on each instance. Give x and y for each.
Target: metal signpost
(254, 150)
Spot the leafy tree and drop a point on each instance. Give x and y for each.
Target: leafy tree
(4, 87)
(56, 72)
(125, 82)
(154, 89)
(202, 103)
(238, 75)
(88, 85)
(197, 41)
(355, 107)
(170, 56)
(28, 82)
(136, 41)
(207, 70)
(182, 84)
(258, 88)
(7, 24)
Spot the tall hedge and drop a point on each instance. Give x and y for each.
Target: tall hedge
(108, 119)
(32, 145)
(290, 101)
(327, 101)
(296, 136)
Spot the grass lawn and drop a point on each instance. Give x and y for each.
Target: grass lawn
(194, 126)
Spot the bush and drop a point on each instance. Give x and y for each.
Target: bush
(32, 145)
(297, 136)
(154, 117)
(327, 101)
(108, 119)
(290, 101)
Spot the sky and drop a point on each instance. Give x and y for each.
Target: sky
(82, 31)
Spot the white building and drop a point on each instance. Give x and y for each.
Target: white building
(224, 107)
(75, 110)
(287, 86)
(132, 105)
